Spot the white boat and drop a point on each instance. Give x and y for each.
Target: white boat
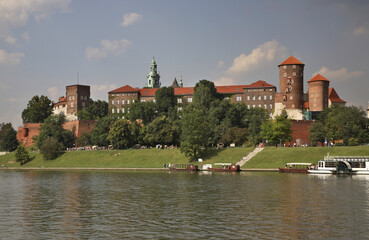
(342, 164)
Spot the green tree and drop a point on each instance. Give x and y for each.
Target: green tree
(53, 127)
(277, 130)
(146, 111)
(204, 93)
(22, 155)
(121, 135)
(162, 131)
(196, 132)
(95, 110)
(318, 132)
(254, 118)
(99, 135)
(8, 137)
(51, 148)
(38, 109)
(235, 135)
(165, 99)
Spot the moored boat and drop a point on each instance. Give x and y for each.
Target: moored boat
(342, 165)
(296, 168)
(225, 167)
(183, 167)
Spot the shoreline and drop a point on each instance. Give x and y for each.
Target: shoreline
(126, 169)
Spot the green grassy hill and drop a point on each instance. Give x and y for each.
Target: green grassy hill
(132, 158)
(272, 157)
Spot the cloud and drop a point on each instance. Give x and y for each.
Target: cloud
(360, 31)
(339, 75)
(53, 93)
(16, 13)
(130, 18)
(10, 39)
(115, 47)
(220, 64)
(10, 58)
(101, 91)
(25, 36)
(258, 57)
(224, 81)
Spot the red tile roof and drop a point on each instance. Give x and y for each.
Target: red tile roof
(230, 89)
(148, 91)
(124, 89)
(184, 91)
(259, 84)
(318, 77)
(291, 60)
(333, 96)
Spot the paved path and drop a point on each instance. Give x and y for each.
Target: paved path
(249, 156)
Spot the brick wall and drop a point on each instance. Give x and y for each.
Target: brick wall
(300, 132)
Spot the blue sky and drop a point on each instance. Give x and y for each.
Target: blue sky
(110, 43)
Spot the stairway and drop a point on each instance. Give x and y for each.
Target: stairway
(249, 156)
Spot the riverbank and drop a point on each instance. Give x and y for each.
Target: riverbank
(154, 159)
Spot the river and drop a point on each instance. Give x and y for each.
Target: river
(180, 205)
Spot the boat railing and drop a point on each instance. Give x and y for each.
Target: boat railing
(347, 158)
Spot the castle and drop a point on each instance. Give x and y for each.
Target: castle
(291, 96)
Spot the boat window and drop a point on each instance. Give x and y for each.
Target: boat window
(330, 164)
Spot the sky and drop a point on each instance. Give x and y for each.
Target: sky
(46, 45)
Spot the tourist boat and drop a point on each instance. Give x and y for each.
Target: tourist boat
(183, 167)
(342, 164)
(225, 167)
(296, 168)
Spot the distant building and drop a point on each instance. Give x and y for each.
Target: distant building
(153, 78)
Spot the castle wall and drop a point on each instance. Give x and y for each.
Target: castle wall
(300, 132)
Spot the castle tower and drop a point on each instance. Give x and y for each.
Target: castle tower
(291, 88)
(78, 97)
(318, 93)
(180, 82)
(153, 78)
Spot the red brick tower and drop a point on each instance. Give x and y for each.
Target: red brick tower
(318, 93)
(291, 83)
(78, 97)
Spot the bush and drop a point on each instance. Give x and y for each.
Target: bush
(353, 142)
(339, 144)
(50, 148)
(21, 155)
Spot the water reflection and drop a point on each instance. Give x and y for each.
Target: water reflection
(146, 205)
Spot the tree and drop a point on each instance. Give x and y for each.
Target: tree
(95, 110)
(8, 137)
(318, 132)
(162, 131)
(196, 132)
(146, 111)
(99, 135)
(50, 148)
(254, 118)
(235, 135)
(277, 130)
(38, 109)
(204, 93)
(53, 127)
(22, 155)
(120, 134)
(165, 99)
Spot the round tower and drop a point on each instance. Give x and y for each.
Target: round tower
(318, 93)
(291, 83)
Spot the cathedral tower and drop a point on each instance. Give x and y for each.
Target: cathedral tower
(153, 78)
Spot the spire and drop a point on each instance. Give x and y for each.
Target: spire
(180, 82)
(175, 83)
(153, 78)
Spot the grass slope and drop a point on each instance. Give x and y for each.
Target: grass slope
(132, 158)
(272, 157)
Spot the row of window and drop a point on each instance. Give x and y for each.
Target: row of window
(72, 98)
(239, 98)
(123, 94)
(265, 106)
(123, 101)
(260, 90)
(118, 110)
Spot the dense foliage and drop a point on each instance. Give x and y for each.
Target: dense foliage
(38, 109)
(22, 155)
(341, 123)
(8, 137)
(95, 110)
(277, 130)
(51, 148)
(53, 127)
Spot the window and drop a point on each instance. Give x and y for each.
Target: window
(179, 109)
(259, 105)
(117, 101)
(122, 94)
(284, 74)
(71, 104)
(248, 98)
(271, 97)
(112, 110)
(81, 97)
(271, 106)
(128, 94)
(112, 101)
(179, 100)
(70, 98)
(248, 106)
(83, 104)
(293, 66)
(127, 101)
(154, 100)
(253, 105)
(117, 110)
(265, 106)
(143, 100)
(189, 100)
(127, 110)
(122, 110)
(265, 97)
(122, 101)
(270, 90)
(85, 97)
(238, 98)
(293, 74)
(253, 97)
(285, 66)
(259, 97)
(133, 94)
(133, 101)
